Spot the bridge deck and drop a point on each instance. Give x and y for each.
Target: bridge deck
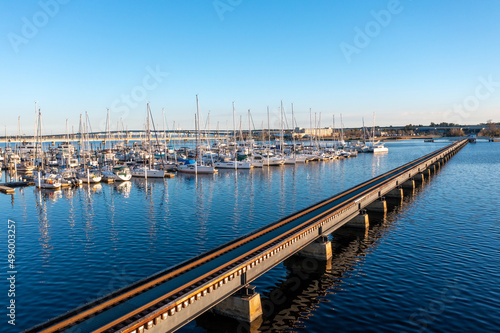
(121, 309)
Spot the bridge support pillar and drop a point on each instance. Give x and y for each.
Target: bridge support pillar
(419, 178)
(409, 185)
(244, 305)
(361, 221)
(396, 193)
(320, 249)
(378, 206)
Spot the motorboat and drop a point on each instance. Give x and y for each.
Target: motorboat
(89, 176)
(117, 173)
(145, 172)
(194, 168)
(48, 181)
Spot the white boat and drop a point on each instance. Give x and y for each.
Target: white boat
(233, 165)
(26, 166)
(167, 166)
(89, 176)
(194, 168)
(380, 149)
(290, 160)
(145, 172)
(66, 148)
(299, 158)
(376, 147)
(68, 177)
(257, 164)
(117, 173)
(268, 160)
(29, 148)
(48, 181)
(52, 162)
(197, 167)
(122, 173)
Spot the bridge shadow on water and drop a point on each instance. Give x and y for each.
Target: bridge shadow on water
(306, 283)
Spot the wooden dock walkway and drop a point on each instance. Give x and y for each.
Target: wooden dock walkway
(7, 190)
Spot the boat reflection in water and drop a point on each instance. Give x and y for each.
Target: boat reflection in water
(51, 195)
(124, 188)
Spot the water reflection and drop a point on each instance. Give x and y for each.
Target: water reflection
(305, 285)
(124, 188)
(204, 191)
(43, 228)
(51, 195)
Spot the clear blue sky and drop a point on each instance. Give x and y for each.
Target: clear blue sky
(425, 61)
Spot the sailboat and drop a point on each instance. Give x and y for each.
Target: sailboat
(376, 147)
(197, 167)
(267, 157)
(118, 173)
(89, 176)
(147, 171)
(234, 164)
(86, 175)
(47, 181)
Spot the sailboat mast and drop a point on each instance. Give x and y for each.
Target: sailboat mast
(36, 122)
(149, 138)
(234, 126)
(310, 126)
(250, 139)
(40, 135)
(293, 131)
(373, 131)
(320, 135)
(364, 131)
(269, 129)
(341, 129)
(163, 119)
(197, 124)
(249, 126)
(281, 131)
(108, 129)
(316, 129)
(333, 132)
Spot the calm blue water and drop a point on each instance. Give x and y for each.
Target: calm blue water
(433, 264)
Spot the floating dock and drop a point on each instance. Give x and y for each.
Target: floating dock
(7, 190)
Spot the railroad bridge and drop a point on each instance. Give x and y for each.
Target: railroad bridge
(219, 279)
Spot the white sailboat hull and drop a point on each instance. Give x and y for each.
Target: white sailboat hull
(380, 150)
(196, 169)
(233, 165)
(257, 164)
(151, 173)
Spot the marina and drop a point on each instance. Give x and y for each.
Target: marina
(171, 215)
(250, 166)
(167, 301)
